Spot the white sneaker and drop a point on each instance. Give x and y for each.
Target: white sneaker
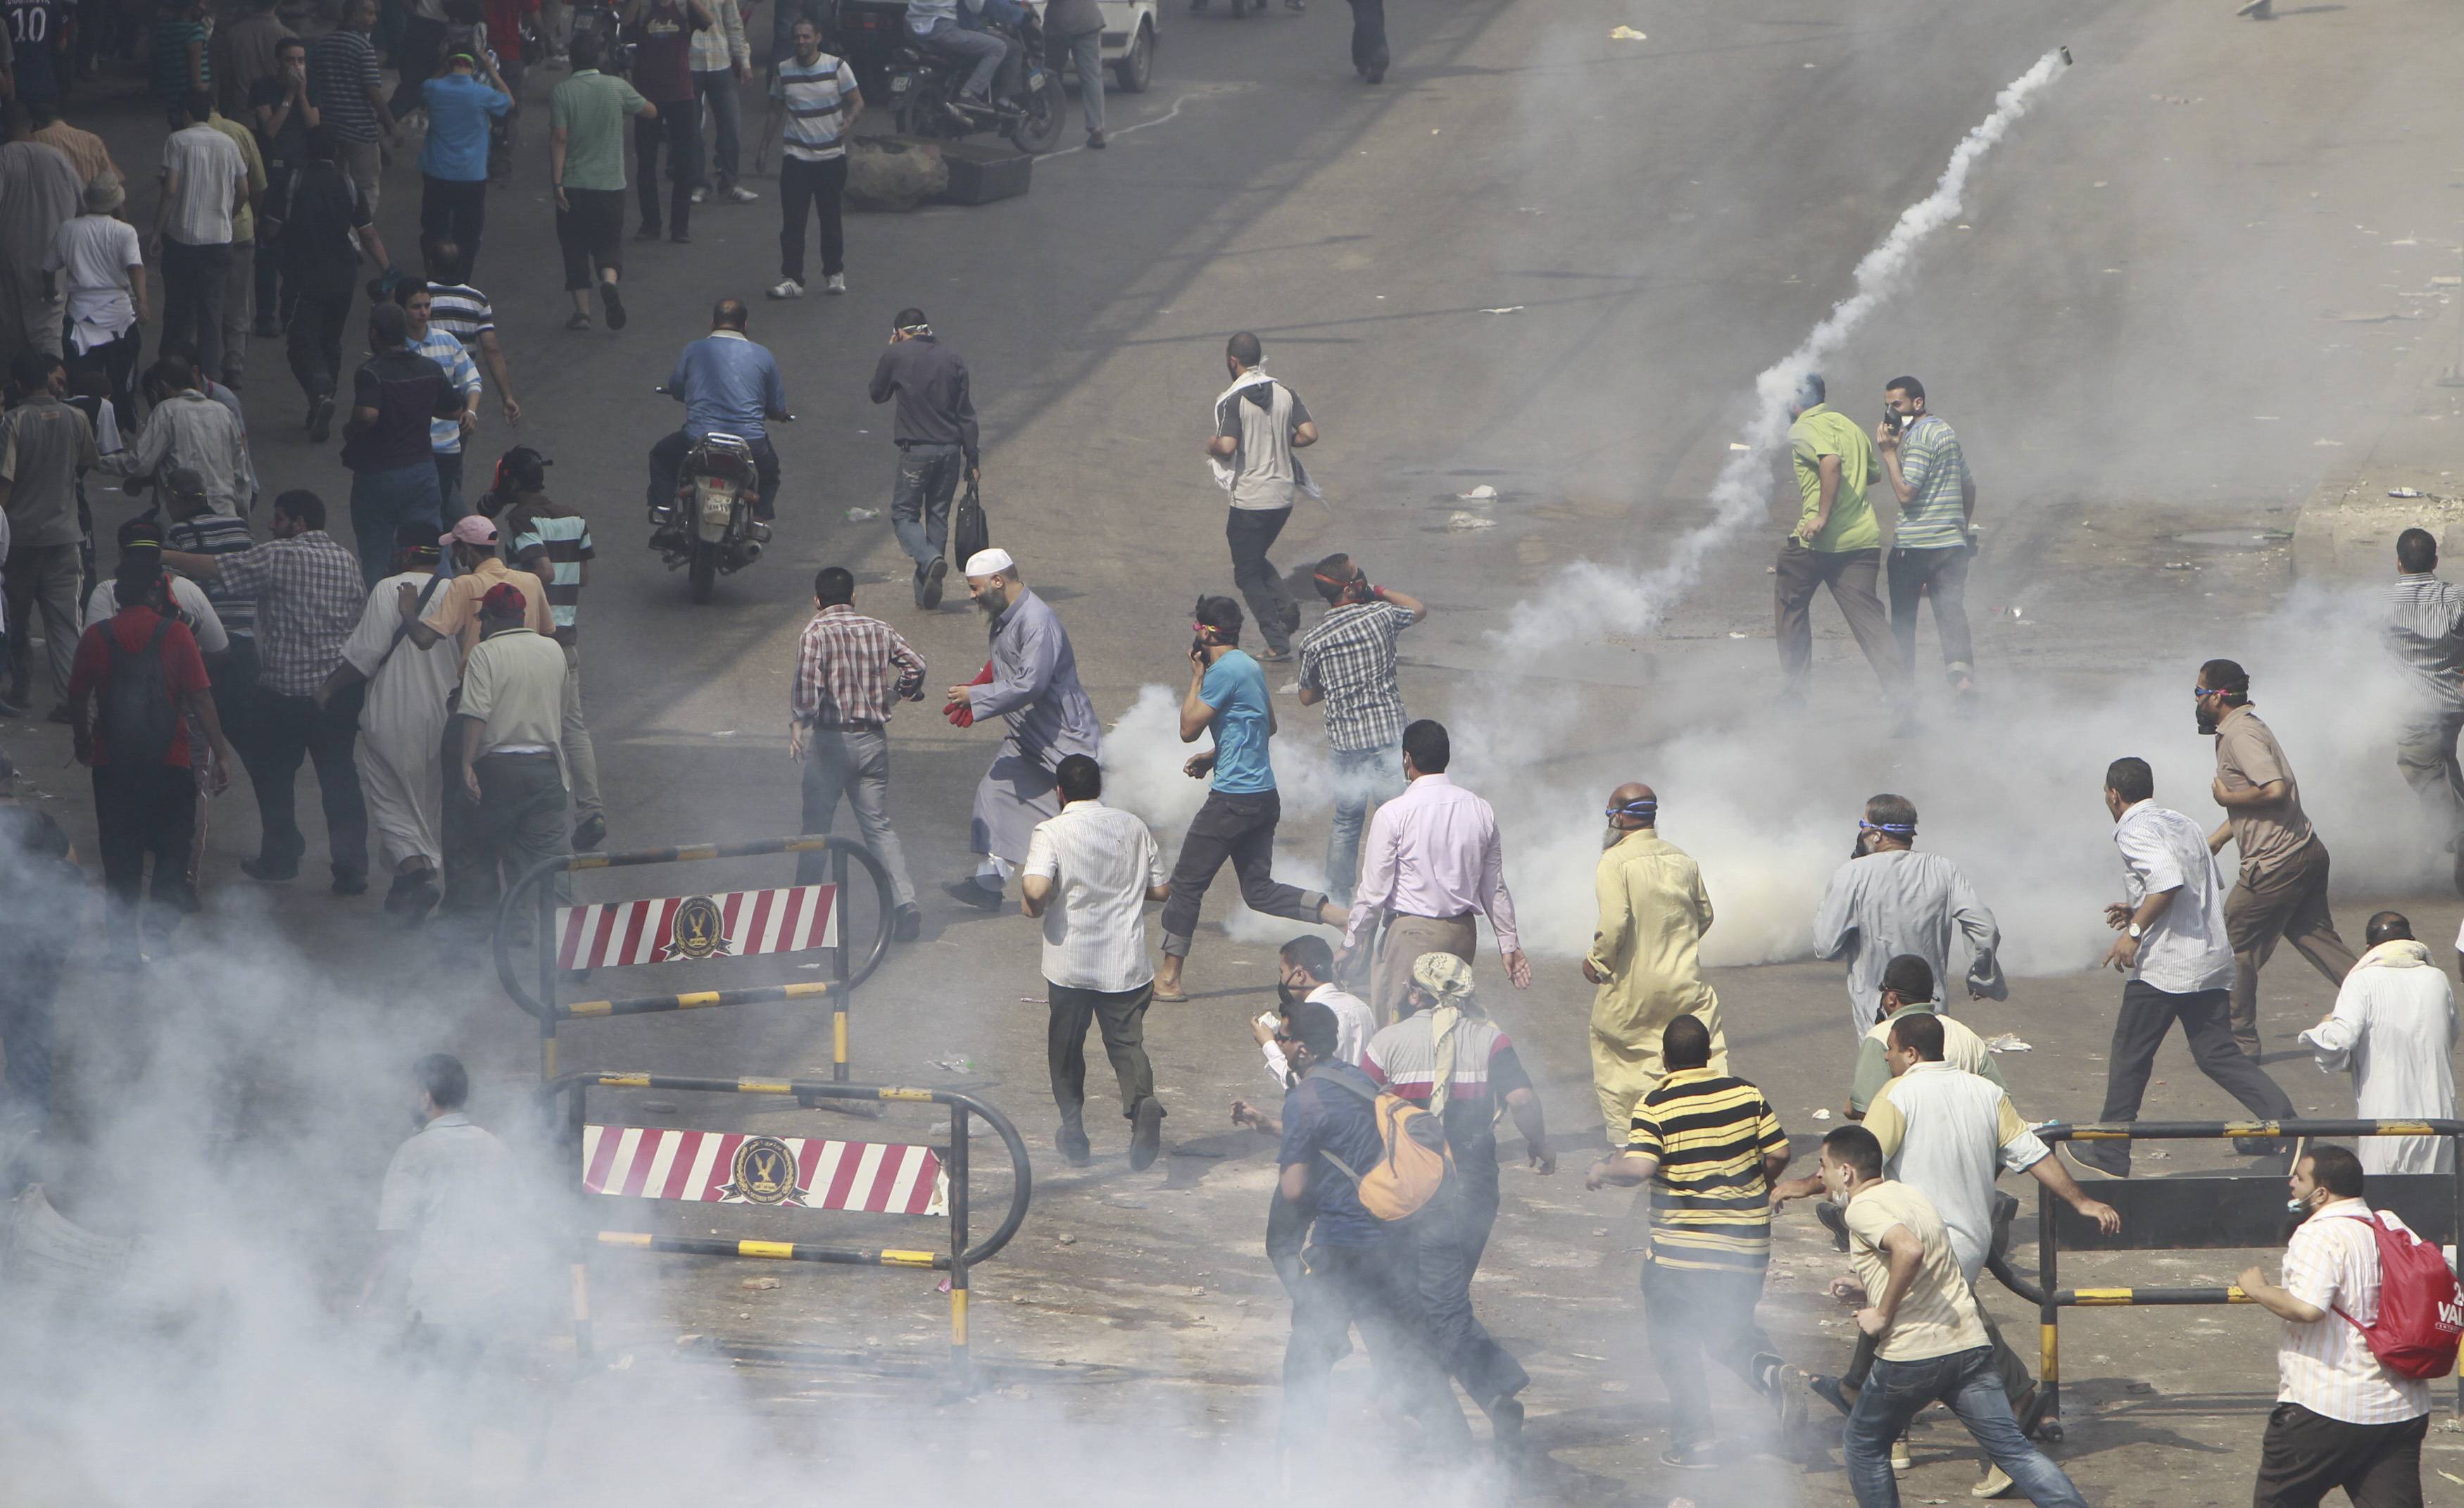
(788, 287)
(741, 194)
(835, 284)
(701, 196)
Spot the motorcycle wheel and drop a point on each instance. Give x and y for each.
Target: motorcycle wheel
(703, 570)
(1039, 131)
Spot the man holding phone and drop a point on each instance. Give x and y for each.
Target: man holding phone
(1935, 538)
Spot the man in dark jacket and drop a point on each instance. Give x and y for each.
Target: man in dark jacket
(936, 430)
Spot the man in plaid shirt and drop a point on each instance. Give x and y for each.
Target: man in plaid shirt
(1348, 663)
(848, 668)
(309, 594)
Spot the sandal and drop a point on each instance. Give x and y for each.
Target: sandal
(1177, 998)
(579, 321)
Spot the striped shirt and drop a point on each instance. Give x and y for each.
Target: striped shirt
(1349, 659)
(461, 311)
(1403, 1059)
(220, 535)
(844, 670)
(2425, 632)
(1936, 471)
(342, 69)
(440, 346)
(2332, 1263)
(1710, 1203)
(816, 99)
(553, 548)
(1102, 861)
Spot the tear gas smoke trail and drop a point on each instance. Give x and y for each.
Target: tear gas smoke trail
(1609, 599)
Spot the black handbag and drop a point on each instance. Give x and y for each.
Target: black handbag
(969, 533)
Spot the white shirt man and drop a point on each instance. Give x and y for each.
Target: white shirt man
(2393, 1029)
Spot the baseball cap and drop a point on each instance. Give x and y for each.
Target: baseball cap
(469, 529)
(505, 600)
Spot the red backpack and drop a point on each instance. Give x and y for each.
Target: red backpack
(2421, 1306)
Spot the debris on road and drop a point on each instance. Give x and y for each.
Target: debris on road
(759, 1284)
(1627, 33)
(1466, 522)
(1482, 493)
(1509, 309)
(2008, 1042)
(862, 516)
(2403, 492)
(1822, 1114)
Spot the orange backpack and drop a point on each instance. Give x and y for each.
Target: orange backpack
(1414, 1168)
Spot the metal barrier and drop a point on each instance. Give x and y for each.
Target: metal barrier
(788, 1178)
(700, 927)
(2191, 1214)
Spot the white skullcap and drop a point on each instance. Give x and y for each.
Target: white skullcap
(990, 562)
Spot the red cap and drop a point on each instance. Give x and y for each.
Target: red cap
(505, 600)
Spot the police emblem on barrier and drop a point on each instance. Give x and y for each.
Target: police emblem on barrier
(764, 1174)
(699, 931)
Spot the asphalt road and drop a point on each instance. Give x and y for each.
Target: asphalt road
(1543, 261)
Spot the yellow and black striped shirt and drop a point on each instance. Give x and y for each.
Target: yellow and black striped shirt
(1710, 1203)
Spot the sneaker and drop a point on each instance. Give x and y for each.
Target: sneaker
(320, 419)
(647, 232)
(1902, 1463)
(1146, 1134)
(265, 872)
(1071, 1144)
(969, 892)
(919, 586)
(738, 193)
(679, 238)
(928, 596)
(16, 704)
(906, 924)
(1996, 1482)
(1506, 1430)
(2259, 9)
(1791, 1390)
(579, 321)
(350, 884)
(615, 302)
(788, 288)
(1095, 142)
(1833, 1220)
(700, 196)
(835, 283)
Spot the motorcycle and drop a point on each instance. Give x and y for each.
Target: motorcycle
(1028, 105)
(709, 526)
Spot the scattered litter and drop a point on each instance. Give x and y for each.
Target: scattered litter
(1066, 1241)
(955, 1065)
(723, 733)
(1509, 309)
(1738, 445)
(759, 1284)
(660, 1106)
(2158, 1153)
(2448, 281)
(943, 1286)
(1739, 636)
(1822, 1114)
(2451, 1475)
(1482, 493)
(2179, 565)
(2403, 492)
(1627, 33)
(2269, 418)
(1465, 523)
(2008, 1042)
(622, 1364)
(1599, 1231)
(862, 516)
(2338, 444)
(2099, 184)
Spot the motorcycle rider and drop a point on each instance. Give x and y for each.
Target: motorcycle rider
(728, 386)
(935, 26)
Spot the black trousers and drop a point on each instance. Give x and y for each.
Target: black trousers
(1251, 533)
(679, 127)
(455, 211)
(235, 697)
(194, 277)
(1941, 574)
(2148, 1015)
(1241, 828)
(273, 300)
(1450, 1253)
(117, 361)
(1371, 1288)
(418, 54)
(1699, 1315)
(591, 235)
(1122, 1017)
(289, 729)
(1368, 36)
(811, 187)
(667, 463)
(143, 810)
(314, 341)
(2306, 1455)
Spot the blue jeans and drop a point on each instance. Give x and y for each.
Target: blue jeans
(987, 50)
(449, 505)
(383, 502)
(718, 90)
(1895, 1392)
(1364, 781)
(920, 504)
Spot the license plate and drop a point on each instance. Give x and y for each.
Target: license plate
(900, 83)
(1035, 78)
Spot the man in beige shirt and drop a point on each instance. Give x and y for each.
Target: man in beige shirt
(2282, 889)
(454, 611)
(1653, 912)
(1930, 1342)
(505, 798)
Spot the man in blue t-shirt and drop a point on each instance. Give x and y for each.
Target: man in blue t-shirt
(453, 162)
(1227, 697)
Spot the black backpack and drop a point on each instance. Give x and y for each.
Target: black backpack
(136, 720)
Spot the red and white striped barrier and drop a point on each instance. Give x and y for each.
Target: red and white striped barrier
(731, 1168)
(737, 924)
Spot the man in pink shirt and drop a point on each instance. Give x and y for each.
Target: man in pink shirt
(1432, 860)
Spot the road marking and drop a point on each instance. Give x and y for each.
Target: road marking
(1127, 129)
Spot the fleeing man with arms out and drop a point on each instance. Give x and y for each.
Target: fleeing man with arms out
(1836, 543)
(2425, 635)
(1930, 1341)
(2282, 892)
(937, 439)
(2394, 1030)
(1227, 699)
(1888, 900)
(1645, 956)
(1712, 1147)
(1089, 874)
(2175, 954)
(850, 669)
(1348, 663)
(1935, 540)
(2342, 1418)
(1259, 423)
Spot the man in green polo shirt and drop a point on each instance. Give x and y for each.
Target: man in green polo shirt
(1838, 544)
(587, 170)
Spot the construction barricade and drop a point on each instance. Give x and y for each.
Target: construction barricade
(2207, 1212)
(572, 940)
(798, 1172)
